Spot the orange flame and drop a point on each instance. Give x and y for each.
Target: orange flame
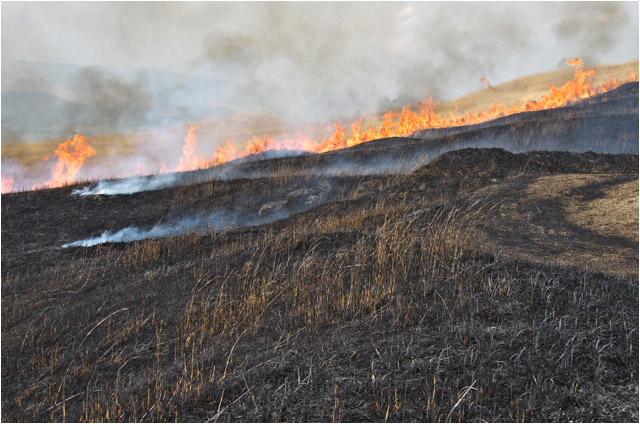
(190, 160)
(141, 168)
(407, 121)
(7, 182)
(72, 154)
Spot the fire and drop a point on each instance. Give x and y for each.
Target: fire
(7, 182)
(190, 160)
(72, 154)
(224, 154)
(141, 168)
(407, 121)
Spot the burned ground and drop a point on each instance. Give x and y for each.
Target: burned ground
(430, 295)
(582, 220)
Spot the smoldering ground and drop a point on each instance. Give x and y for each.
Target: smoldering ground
(294, 194)
(579, 128)
(219, 220)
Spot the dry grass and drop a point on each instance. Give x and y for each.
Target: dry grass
(573, 219)
(531, 87)
(32, 155)
(386, 314)
(615, 214)
(517, 91)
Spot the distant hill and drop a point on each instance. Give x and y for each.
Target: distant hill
(49, 100)
(530, 87)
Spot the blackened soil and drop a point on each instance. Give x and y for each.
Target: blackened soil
(484, 285)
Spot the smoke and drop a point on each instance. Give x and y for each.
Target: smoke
(311, 61)
(301, 61)
(116, 102)
(128, 185)
(184, 226)
(220, 220)
(592, 31)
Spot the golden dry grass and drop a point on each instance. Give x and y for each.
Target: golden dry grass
(32, 155)
(531, 87)
(615, 214)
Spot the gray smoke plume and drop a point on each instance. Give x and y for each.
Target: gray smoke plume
(593, 30)
(183, 226)
(128, 185)
(115, 101)
(306, 61)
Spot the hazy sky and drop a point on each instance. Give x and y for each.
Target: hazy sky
(321, 57)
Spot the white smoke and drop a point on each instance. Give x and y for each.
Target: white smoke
(303, 61)
(185, 225)
(221, 219)
(128, 185)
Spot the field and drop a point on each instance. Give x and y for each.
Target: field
(429, 278)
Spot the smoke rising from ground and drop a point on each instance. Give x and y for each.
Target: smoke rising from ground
(593, 30)
(220, 220)
(128, 185)
(585, 126)
(151, 68)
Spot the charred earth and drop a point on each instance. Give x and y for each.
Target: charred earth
(479, 273)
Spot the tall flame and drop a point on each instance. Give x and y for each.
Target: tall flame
(72, 154)
(190, 159)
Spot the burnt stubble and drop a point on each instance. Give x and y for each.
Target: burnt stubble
(393, 296)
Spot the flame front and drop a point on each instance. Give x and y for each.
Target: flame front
(72, 154)
(407, 121)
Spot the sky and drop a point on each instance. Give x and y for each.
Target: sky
(317, 60)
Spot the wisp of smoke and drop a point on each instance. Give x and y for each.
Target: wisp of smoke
(128, 185)
(221, 219)
(186, 225)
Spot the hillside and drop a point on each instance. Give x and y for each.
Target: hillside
(437, 277)
(516, 91)
(532, 87)
(212, 132)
